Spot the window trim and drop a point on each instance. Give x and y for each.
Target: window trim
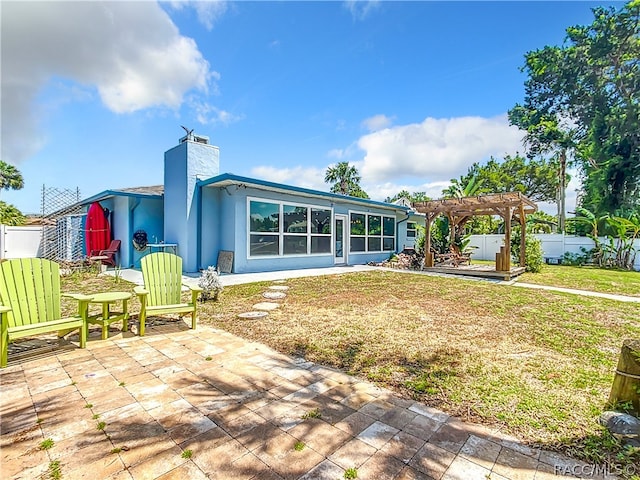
(281, 233)
(366, 235)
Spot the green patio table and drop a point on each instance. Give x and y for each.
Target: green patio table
(107, 317)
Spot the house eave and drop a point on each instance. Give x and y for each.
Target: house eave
(117, 193)
(227, 179)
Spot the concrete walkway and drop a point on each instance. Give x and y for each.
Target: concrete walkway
(198, 404)
(515, 283)
(586, 293)
(135, 276)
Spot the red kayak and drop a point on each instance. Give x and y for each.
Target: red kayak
(97, 232)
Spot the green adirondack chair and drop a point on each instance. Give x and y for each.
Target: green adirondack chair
(162, 291)
(30, 297)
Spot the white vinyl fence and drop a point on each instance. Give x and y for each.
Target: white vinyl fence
(20, 242)
(554, 246)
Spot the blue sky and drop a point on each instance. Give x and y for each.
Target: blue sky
(412, 93)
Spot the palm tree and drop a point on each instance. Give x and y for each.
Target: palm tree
(10, 177)
(10, 215)
(345, 179)
(463, 187)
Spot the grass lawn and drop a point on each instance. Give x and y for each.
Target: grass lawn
(537, 364)
(622, 282)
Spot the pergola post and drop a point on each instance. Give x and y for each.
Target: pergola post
(523, 233)
(507, 240)
(428, 254)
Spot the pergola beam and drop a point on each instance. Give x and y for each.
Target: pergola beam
(460, 210)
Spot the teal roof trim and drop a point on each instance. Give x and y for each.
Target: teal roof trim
(254, 182)
(117, 193)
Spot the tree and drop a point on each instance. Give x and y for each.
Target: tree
(345, 179)
(10, 179)
(466, 186)
(10, 215)
(593, 84)
(412, 197)
(535, 178)
(547, 135)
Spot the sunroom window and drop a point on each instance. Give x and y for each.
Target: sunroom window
(278, 228)
(372, 233)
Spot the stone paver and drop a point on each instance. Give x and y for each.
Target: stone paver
(274, 295)
(253, 315)
(169, 413)
(266, 306)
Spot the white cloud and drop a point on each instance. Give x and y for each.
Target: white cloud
(305, 177)
(430, 153)
(381, 191)
(436, 149)
(377, 122)
(309, 177)
(208, 11)
(130, 52)
(343, 153)
(360, 9)
(208, 114)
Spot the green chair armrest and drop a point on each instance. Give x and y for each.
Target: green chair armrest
(78, 296)
(4, 309)
(140, 291)
(195, 288)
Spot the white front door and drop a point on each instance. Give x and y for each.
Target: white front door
(340, 239)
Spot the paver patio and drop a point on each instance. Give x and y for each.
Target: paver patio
(238, 407)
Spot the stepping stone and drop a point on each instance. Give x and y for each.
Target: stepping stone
(274, 295)
(266, 306)
(278, 287)
(253, 314)
(279, 281)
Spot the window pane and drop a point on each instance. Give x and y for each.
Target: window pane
(264, 245)
(320, 244)
(357, 244)
(389, 227)
(294, 244)
(357, 224)
(294, 219)
(388, 244)
(264, 217)
(374, 225)
(411, 225)
(374, 244)
(411, 233)
(320, 221)
(339, 240)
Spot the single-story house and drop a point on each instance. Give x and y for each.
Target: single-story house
(267, 226)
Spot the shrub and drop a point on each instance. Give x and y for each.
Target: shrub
(579, 259)
(210, 283)
(532, 253)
